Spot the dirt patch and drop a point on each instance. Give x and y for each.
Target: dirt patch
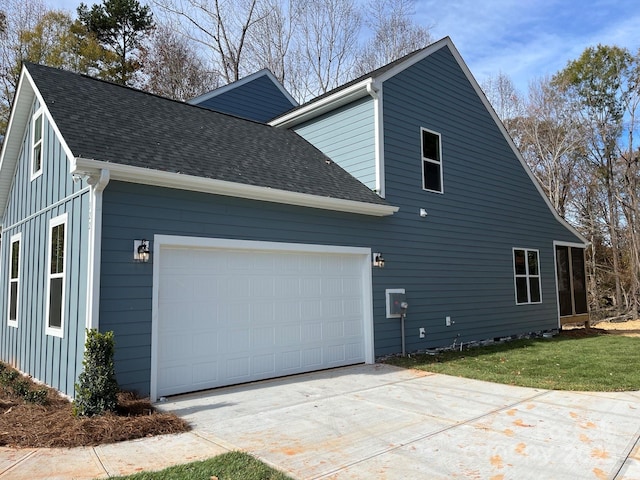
(629, 328)
(24, 424)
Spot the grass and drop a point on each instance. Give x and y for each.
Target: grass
(604, 363)
(228, 466)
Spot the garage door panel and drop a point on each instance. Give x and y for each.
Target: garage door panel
(237, 369)
(232, 316)
(264, 365)
(204, 373)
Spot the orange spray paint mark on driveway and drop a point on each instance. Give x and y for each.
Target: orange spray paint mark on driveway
(520, 423)
(497, 462)
(597, 453)
(601, 475)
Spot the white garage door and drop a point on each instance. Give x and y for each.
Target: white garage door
(232, 312)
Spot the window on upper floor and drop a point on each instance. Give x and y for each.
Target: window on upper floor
(36, 149)
(56, 283)
(431, 161)
(14, 280)
(526, 268)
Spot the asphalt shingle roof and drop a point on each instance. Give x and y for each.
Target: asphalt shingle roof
(111, 123)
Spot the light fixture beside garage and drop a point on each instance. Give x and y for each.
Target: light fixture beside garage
(378, 260)
(141, 250)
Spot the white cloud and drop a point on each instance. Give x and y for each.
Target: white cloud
(526, 40)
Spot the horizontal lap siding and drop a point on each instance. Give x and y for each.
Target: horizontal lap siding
(455, 262)
(347, 136)
(461, 259)
(55, 361)
(135, 211)
(258, 100)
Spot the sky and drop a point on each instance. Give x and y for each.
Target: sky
(523, 39)
(529, 39)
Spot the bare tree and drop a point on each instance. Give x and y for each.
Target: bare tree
(326, 43)
(172, 68)
(505, 99)
(394, 34)
(551, 139)
(271, 38)
(220, 26)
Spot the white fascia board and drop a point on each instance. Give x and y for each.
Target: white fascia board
(311, 110)
(12, 145)
(230, 86)
(18, 121)
(146, 176)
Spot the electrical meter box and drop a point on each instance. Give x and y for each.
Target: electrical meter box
(396, 302)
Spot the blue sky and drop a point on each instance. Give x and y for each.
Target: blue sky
(523, 39)
(527, 39)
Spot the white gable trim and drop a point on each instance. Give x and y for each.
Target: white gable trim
(243, 81)
(146, 176)
(312, 110)
(18, 121)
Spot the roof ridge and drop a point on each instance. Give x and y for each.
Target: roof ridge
(136, 90)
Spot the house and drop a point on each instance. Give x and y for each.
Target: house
(222, 250)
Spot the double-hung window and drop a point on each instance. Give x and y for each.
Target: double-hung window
(14, 280)
(56, 280)
(431, 161)
(526, 268)
(36, 144)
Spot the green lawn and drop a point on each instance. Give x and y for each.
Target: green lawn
(228, 466)
(606, 363)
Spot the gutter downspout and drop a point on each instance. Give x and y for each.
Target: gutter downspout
(375, 91)
(98, 184)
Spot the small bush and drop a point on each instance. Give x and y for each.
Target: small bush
(97, 388)
(38, 396)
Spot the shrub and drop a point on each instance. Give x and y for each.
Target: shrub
(97, 388)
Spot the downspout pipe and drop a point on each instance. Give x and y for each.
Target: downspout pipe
(98, 183)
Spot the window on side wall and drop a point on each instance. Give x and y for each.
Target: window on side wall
(526, 268)
(431, 161)
(14, 280)
(37, 147)
(56, 280)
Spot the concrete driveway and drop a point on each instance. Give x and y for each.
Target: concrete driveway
(378, 422)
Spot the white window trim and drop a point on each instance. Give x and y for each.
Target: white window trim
(37, 173)
(54, 222)
(527, 275)
(14, 238)
(431, 160)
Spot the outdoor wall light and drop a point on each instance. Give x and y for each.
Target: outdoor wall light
(141, 250)
(378, 260)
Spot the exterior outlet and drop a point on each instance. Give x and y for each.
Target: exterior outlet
(448, 321)
(422, 332)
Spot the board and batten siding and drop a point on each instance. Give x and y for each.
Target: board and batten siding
(31, 204)
(347, 136)
(458, 260)
(258, 100)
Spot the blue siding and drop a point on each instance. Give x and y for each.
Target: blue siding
(258, 100)
(459, 262)
(32, 203)
(135, 211)
(347, 136)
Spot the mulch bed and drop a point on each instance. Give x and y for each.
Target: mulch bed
(53, 424)
(582, 332)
